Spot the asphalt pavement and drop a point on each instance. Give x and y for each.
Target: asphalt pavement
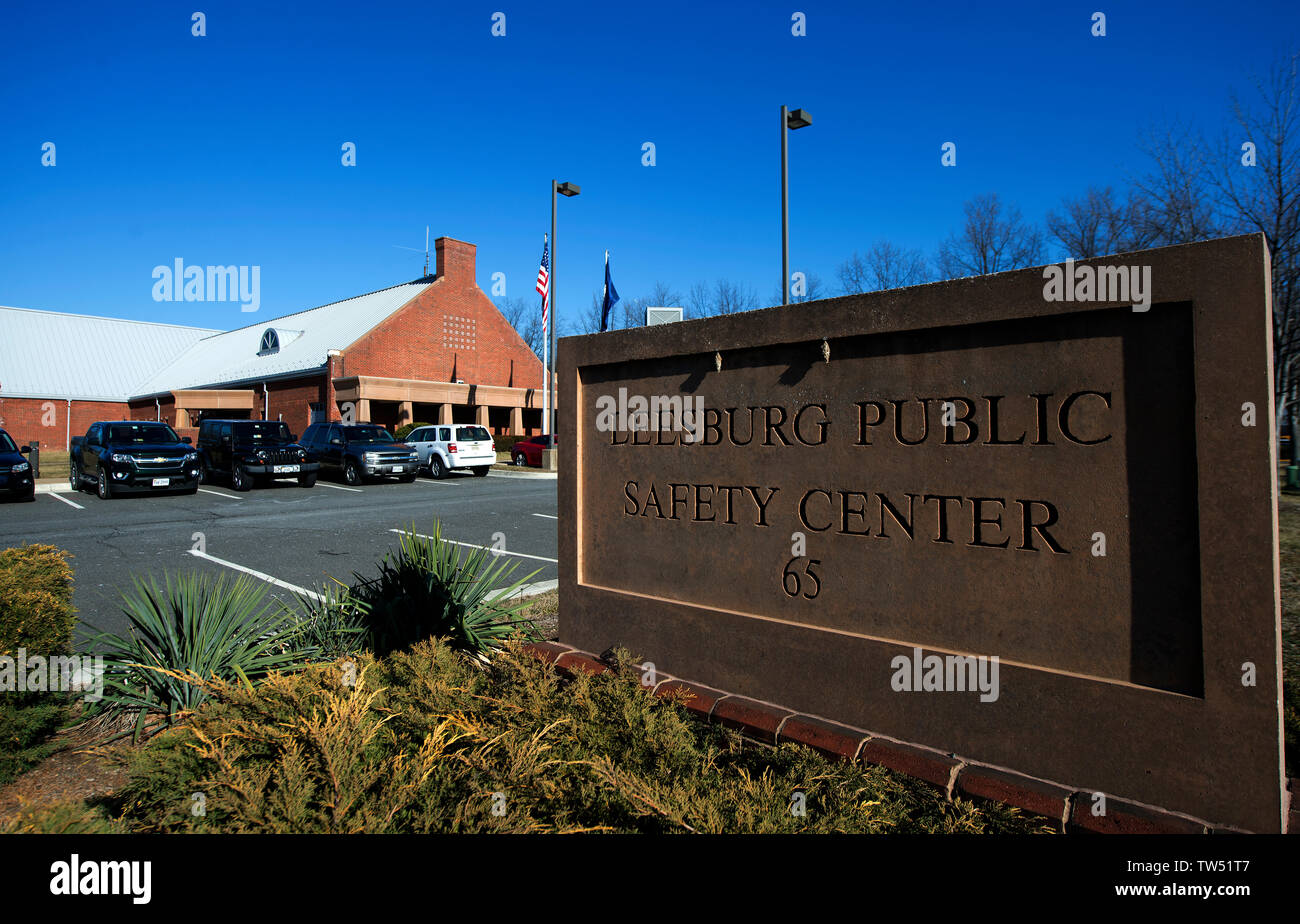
(291, 538)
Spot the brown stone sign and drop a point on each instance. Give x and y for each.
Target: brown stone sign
(1028, 519)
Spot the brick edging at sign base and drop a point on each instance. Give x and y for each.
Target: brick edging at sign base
(1068, 807)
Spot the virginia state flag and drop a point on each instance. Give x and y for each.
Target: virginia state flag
(611, 297)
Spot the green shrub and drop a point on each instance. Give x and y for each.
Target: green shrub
(404, 430)
(190, 631)
(36, 609)
(27, 723)
(68, 817)
(429, 741)
(433, 588)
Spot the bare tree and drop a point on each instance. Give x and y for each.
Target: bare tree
(1259, 191)
(812, 290)
(885, 265)
(631, 312)
(994, 238)
(627, 312)
(663, 295)
(731, 297)
(525, 316)
(699, 301)
(1098, 223)
(1173, 201)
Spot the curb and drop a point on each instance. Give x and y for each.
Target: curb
(1068, 807)
(506, 472)
(532, 590)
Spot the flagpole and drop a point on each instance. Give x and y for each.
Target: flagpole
(546, 390)
(550, 421)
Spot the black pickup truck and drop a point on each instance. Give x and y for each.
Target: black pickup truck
(252, 452)
(121, 456)
(360, 451)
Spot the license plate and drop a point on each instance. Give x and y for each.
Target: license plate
(161, 482)
(281, 469)
(396, 468)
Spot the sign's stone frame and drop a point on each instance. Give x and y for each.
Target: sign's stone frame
(1216, 756)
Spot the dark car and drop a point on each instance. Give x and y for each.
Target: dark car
(529, 451)
(249, 452)
(360, 451)
(121, 456)
(15, 472)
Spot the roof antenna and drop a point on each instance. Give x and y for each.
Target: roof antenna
(417, 250)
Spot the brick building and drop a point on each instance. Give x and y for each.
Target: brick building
(435, 350)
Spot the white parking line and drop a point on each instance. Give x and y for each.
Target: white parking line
(489, 548)
(257, 574)
(221, 494)
(65, 500)
(546, 516)
(436, 484)
(339, 487)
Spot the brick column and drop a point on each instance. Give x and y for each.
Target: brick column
(363, 409)
(481, 415)
(516, 421)
(406, 413)
(444, 413)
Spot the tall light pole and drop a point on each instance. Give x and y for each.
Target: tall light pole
(564, 189)
(796, 119)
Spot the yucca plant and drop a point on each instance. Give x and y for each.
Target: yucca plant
(187, 632)
(435, 588)
(332, 623)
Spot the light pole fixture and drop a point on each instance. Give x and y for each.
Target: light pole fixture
(790, 119)
(570, 190)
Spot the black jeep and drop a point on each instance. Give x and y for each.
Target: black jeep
(252, 451)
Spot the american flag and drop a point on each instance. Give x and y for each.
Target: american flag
(544, 279)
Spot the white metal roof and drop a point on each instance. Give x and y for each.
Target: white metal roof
(48, 354)
(305, 340)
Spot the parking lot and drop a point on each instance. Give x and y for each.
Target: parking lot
(293, 538)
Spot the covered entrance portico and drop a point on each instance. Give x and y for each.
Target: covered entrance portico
(395, 402)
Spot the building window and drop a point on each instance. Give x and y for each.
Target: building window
(270, 342)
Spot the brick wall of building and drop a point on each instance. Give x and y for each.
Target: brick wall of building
(449, 331)
(47, 419)
(147, 409)
(291, 400)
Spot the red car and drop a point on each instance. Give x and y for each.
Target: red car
(529, 451)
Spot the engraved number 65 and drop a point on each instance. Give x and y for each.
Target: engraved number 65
(790, 577)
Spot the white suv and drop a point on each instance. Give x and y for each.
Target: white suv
(443, 449)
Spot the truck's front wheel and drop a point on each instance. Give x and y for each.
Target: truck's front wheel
(105, 486)
(239, 479)
(74, 476)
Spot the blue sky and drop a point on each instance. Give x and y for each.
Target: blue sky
(225, 149)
